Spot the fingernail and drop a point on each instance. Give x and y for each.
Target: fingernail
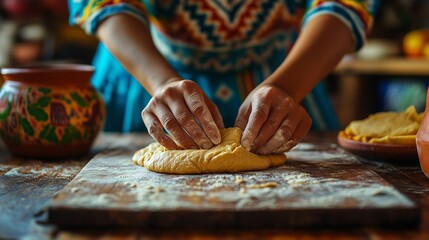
(215, 137)
(216, 140)
(248, 149)
(206, 145)
(263, 150)
(252, 148)
(215, 134)
(263, 153)
(245, 142)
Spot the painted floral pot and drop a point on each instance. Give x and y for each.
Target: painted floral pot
(50, 111)
(422, 140)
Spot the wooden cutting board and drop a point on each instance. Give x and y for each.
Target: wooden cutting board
(320, 185)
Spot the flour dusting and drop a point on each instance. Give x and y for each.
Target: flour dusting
(309, 179)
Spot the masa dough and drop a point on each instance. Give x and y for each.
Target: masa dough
(386, 127)
(227, 156)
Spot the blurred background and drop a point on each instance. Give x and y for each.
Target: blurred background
(390, 73)
(37, 30)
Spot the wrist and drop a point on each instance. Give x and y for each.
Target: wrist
(161, 84)
(277, 85)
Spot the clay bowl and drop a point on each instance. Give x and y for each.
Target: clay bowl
(50, 111)
(382, 152)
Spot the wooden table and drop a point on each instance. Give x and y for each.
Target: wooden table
(26, 186)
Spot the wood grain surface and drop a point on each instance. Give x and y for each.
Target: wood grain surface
(24, 195)
(27, 185)
(320, 185)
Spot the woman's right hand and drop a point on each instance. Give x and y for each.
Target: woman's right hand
(178, 106)
(188, 115)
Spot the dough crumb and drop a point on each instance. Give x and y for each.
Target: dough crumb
(130, 184)
(239, 180)
(155, 189)
(264, 185)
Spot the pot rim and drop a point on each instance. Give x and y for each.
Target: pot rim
(46, 68)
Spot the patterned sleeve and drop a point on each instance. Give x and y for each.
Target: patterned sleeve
(356, 14)
(88, 14)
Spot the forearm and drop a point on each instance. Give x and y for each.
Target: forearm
(317, 51)
(129, 40)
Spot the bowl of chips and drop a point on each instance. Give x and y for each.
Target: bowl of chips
(383, 135)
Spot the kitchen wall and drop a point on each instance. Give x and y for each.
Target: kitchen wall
(37, 30)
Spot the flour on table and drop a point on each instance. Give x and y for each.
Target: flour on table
(307, 181)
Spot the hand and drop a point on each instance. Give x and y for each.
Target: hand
(271, 120)
(188, 115)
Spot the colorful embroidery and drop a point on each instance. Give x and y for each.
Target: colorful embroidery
(226, 46)
(224, 93)
(197, 33)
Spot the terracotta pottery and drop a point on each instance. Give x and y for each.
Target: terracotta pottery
(379, 152)
(50, 111)
(422, 140)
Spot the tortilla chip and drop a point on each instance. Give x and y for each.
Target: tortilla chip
(386, 127)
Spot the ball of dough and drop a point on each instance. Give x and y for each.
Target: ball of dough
(227, 156)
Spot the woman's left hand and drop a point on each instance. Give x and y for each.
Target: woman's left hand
(271, 120)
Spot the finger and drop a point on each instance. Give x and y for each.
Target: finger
(301, 130)
(259, 114)
(283, 134)
(271, 125)
(196, 104)
(214, 110)
(243, 116)
(187, 121)
(170, 123)
(155, 129)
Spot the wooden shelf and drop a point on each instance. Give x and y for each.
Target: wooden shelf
(356, 94)
(389, 66)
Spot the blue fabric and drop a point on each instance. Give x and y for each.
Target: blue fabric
(350, 18)
(227, 47)
(125, 98)
(76, 11)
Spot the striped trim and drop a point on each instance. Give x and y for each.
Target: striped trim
(361, 10)
(349, 17)
(91, 23)
(364, 8)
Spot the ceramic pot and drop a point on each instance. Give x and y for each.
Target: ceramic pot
(50, 111)
(422, 140)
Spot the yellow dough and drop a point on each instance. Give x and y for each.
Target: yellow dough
(386, 127)
(227, 156)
